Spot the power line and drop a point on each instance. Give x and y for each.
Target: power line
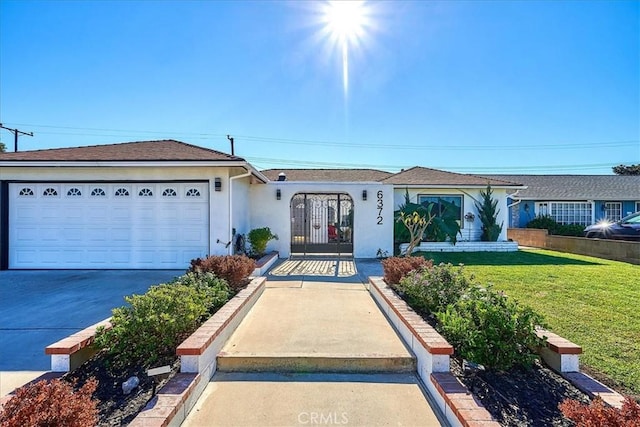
(308, 142)
(16, 133)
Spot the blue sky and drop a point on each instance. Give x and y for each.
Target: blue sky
(465, 86)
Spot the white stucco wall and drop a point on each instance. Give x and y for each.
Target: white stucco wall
(368, 235)
(468, 231)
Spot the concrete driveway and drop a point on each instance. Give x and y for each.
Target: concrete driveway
(39, 307)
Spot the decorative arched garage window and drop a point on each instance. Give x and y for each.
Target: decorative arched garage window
(74, 192)
(98, 192)
(193, 192)
(121, 192)
(26, 192)
(145, 192)
(49, 192)
(169, 192)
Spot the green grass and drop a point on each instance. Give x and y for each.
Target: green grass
(591, 301)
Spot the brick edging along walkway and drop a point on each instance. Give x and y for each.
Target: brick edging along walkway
(172, 403)
(432, 351)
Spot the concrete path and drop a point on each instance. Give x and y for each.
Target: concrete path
(315, 349)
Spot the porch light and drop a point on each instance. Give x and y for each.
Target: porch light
(364, 195)
(217, 184)
(278, 194)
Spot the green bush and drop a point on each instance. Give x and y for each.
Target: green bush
(216, 289)
(258, 239)
(51, 403)
(148, 330)
(546, 222)
(488, 214)
(430, 290)
(486, 327)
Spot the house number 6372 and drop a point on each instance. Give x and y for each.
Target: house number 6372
(379, 206)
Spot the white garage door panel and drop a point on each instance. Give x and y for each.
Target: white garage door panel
(89, 225)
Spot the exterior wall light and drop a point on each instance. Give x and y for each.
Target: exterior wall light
(278, 194)
(364, 195)
(217, 184)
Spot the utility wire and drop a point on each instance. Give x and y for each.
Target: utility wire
(307, 142)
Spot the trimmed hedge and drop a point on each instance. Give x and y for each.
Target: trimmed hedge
(483, 325)
(395, 268)
(235, 269)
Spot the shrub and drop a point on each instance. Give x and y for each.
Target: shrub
(488, 213)
(395, 268)
(235, 269)
(430, 290)
(486, 327)
(51, 403)
(555, 228)
(149, 329)
(600, 415)
(216, 289)
(258, 238)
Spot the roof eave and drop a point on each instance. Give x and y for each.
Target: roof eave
(120, 163)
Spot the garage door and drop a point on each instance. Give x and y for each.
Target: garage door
(107, 225)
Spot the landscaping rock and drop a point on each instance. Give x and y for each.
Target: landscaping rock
(130, 384)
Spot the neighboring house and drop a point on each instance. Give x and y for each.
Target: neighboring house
(572, 199)
(159, 204)
(463, 190)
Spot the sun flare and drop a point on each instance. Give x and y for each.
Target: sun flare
(346, 23)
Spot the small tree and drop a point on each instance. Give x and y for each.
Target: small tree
(3, 148)
(416, 224)
(488, 213)
(258, 238)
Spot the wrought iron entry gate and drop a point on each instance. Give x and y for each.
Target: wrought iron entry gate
(322, 224)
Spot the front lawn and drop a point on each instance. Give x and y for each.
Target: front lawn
(591, 301)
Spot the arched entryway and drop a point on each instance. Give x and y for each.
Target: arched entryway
(322, 224)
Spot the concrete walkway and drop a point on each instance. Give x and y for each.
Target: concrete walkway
(315, 349)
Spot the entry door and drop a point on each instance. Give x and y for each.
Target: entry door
(322, 224)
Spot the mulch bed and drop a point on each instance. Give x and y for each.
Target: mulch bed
(521, 397)
(115, 408)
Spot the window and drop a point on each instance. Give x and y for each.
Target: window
(637, 207)
(612, 211)
(193, 192)
(169, 192)
(50, 192)
(121, 192)
(448, 204)
(98, 192)
(74, 192)
(26, 192)
(145, 192)
(569, 212)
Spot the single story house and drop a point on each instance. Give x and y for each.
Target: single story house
(572, 199)
(159, 204)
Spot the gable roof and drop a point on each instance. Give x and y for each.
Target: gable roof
(161, 150)
(328, 175)
(576, 187)
(419, 175)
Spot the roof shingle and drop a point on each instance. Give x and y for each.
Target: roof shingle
(419, 175)
(576, 187)
(328, 175)
(161, 150)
